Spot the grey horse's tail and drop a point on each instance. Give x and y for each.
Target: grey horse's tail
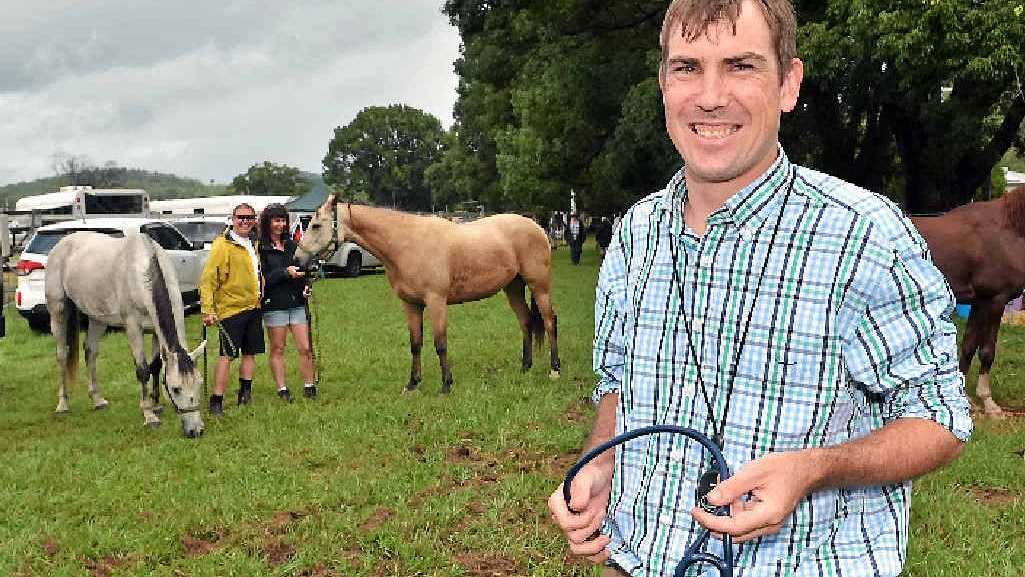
(536, 324)
(71, 334)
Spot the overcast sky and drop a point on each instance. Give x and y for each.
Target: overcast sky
(206, 89)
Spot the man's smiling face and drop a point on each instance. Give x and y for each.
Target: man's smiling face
(723, 99)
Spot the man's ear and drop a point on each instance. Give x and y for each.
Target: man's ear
(792, 85)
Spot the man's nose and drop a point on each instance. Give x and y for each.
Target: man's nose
(713, 92)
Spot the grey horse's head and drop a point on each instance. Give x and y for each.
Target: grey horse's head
(324, 234)
(184, 386)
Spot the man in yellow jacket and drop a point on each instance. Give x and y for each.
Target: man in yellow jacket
(229, 294)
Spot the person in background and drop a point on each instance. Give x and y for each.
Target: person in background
(794, 318)
(603, 236)
(576, 234)
(286, 290)
(229, 294)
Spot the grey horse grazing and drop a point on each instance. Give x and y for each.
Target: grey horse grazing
(125, 282)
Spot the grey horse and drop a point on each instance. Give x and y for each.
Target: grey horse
(124, 282)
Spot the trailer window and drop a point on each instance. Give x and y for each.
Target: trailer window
(113, 203)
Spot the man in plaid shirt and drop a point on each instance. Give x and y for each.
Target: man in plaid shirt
(794, 317)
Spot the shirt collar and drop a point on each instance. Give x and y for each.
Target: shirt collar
(747, 208)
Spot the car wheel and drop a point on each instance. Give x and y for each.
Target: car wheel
(353, 264)
(39, 323)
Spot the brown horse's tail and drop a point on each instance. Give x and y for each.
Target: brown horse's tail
(536, 324)
(71, 340)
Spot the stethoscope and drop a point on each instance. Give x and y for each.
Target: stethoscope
(693, 554)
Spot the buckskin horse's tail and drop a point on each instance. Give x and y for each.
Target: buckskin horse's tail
(71, 335)
(536, 325)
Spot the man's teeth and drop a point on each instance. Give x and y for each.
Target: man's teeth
(718, 131)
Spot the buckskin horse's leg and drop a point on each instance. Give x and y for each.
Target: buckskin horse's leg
(544, 303)
(92, 352)
(415, 320)
(988, 331)
(514, 292)
(438, 308)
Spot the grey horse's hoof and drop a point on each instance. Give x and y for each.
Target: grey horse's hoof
(153, 424)
(101, 406)
(554, 375)
(62, 412)
(408, 391)
(158, 409)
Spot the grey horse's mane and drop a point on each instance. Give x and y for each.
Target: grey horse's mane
(165, 315)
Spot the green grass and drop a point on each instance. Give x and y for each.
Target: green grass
(365, 481)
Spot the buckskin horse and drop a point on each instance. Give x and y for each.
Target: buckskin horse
(431, 262)
(125, 282)
(980, 248)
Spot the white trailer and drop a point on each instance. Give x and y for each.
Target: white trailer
(215, 205)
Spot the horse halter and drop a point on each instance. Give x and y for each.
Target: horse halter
(177, 409)
(692, 555)
(332, 247)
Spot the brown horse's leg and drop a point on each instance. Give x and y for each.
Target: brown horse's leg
(415, 320)
(988, 330)
(514, 292)
(438, 308)
(544, 303)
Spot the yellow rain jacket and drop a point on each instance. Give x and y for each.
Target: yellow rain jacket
(229, 285)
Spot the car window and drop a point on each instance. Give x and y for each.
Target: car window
(201, 231)
(45, 240)
(167, 237)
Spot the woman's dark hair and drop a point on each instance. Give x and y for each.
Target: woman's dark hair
(272, 211)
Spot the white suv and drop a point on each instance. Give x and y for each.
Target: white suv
(30, 297)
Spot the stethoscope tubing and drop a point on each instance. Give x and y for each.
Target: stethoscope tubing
(691, 555)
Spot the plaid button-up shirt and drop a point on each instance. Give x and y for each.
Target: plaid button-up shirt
(849, 329)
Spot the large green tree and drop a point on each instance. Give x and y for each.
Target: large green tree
(917, 99)
(269, 179)
(384, 153)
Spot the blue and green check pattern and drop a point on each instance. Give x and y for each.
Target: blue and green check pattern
(850, 330)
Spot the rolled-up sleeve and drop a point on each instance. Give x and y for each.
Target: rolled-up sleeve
(609, 322)
(904, 348)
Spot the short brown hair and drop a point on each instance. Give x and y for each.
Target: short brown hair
(696, 16)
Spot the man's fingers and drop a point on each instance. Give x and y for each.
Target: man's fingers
(587, 532)
(743, 522)
(732, 489)
(759, 533)
(590, 548)
(563, 517)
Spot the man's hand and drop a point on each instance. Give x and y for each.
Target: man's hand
(590, 498)
(210, 319)
(776, 483)
(294, 272)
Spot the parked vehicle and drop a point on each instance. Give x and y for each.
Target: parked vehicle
(79, 202)
(349, 260)
(30, 298)
(202, 229)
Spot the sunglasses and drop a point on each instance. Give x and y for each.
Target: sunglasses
(246, 217)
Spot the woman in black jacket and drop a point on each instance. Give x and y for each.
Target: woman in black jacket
(284, 300)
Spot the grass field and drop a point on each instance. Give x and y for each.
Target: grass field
(365, 481)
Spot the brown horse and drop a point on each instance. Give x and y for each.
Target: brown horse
(980, 248)
(431, 262)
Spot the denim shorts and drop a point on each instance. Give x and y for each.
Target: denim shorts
(284, 318)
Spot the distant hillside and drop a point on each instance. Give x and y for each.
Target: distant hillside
(158, 185)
